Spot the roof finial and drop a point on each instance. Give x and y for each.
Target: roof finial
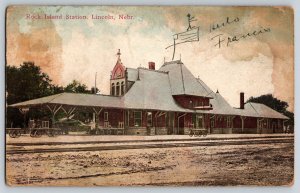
(217, 91)
(119, 55)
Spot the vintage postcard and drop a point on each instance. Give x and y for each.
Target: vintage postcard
(149, 96)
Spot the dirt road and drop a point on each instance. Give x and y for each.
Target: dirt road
(257, 161)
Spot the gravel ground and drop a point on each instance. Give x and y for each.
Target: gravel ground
(264, 164)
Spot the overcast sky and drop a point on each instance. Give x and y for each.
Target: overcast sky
(76, 49)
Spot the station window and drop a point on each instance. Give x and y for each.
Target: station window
(199, 121)
(45, 124)
(105, 116)
(149, 119)
(137, 118)
(113, 89)
(191, 104)
(228, 122)
(212, 122)
(118, 89)
(122, 88)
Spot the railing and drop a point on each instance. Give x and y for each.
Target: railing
(121, 125)
(106, 124)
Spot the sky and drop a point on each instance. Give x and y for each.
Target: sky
(69, 49)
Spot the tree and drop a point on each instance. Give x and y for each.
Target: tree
(28, 82)
(93, 91)
(274, 103)
(25, 83)
(76, 87)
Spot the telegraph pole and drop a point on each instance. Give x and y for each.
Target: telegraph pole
(96, 83)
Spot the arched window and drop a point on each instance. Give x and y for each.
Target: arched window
(113, 89)
(122, 88)
(118, 89)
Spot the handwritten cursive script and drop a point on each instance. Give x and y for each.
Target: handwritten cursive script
(227, 22)
(231, 39)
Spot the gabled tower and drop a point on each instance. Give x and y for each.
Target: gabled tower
(117, 78)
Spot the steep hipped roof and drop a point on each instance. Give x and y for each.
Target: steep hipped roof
(151, 91)
(182, 80)
(259, 110)
(132, 74)
(219, 104)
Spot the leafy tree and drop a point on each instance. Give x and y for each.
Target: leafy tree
(28, 82)
(274, 103)
(25, 83)
(57, 89)
(76, 87)
(93, 90)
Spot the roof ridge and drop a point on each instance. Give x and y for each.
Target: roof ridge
(172, 62)
(254, 108)
(143, 68)
(198, 79)
(56, 96)
(131, 68)
(91, 94)
(182, 79)
(210, 93)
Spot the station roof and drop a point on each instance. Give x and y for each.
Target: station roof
(259, 110)
(74, 99)
(182, 81)
(153, 90)
(132, 74)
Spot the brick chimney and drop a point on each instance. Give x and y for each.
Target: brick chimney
(242, 101)
(151, 65)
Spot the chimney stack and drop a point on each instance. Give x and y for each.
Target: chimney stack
(242, 102)
(151, 65)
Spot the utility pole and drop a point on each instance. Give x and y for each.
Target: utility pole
(96, 83)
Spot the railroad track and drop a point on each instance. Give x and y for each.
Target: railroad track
(119, 146)
(141, 141)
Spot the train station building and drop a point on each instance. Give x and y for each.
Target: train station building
(164, 101)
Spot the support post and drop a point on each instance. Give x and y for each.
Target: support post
(96, 113)
(178, 120)
(68, 111)
(24, 112)
(53, 112)
(243, 119)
